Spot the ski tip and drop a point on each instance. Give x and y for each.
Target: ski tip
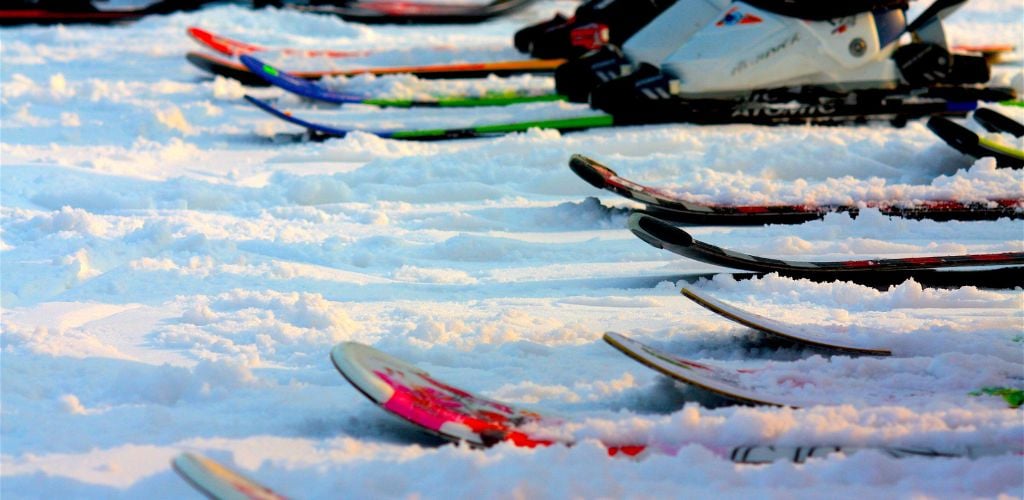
(994, 121)
(218, 481)
(356, 363)
(612, 337)
(589, 170)
(657, 232)
(257, 66)
(954, 134)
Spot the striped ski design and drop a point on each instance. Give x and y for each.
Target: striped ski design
(313, 90)
(321, 130)
(218, 65)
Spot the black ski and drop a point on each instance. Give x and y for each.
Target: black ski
(668, 206)
(661, 234)
(969, 143)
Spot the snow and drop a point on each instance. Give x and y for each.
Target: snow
(174, 276)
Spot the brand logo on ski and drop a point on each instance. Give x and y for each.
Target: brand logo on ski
(734, 17)
(743, 65)
(842, 24)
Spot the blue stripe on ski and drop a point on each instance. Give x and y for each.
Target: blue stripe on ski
(316, 127)
(299, 86)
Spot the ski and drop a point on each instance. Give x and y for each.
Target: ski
(313, 90)
(739, 113)
(793, 333)
(993, 121)
(231, 47)
(717, 380)
(321, 131)
(20, 12)
(729, 383)
(218, 481)
(403, 12)
(441, 409)
(970, 143)
(668, 206)
(220, 66)
(410, 393)
(661, 234)
(993, 53)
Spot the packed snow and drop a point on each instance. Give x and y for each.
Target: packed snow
(175, 270)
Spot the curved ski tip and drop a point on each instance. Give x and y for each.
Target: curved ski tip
(357, 362)
(590, 170)
(257, 66)
(657, 232)
(689, 293)
(614, 339)
(954, 134)
(994, 121)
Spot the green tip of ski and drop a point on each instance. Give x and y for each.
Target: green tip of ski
(497, 99)
(1013, 397)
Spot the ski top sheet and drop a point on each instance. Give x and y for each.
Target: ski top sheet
(669, 206)
(971, 144)
(406, 12)
(320, 130)
(231, 47)
(219, 482)
(312, 90)
(220, 66)
(661, 234)
(417, 397)
(794, 333)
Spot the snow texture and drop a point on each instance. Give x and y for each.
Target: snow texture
(174, 275)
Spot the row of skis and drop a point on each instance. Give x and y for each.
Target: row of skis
(673, 61)
(660, 61)
(458, 415)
